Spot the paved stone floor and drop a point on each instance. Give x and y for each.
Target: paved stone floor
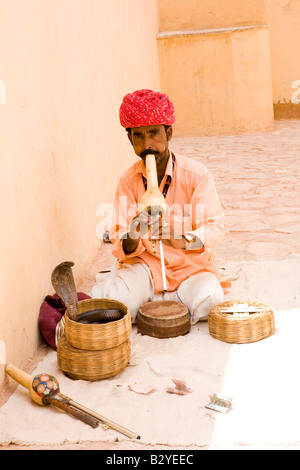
(258, 181)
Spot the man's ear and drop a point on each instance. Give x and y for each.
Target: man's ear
(169, 133)
(129, 137)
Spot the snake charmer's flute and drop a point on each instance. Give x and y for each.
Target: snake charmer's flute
(154, 202)
(44, 390)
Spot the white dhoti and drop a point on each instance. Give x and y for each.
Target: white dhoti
(133, 286)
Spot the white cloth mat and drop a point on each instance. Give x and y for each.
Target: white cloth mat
(262, 378)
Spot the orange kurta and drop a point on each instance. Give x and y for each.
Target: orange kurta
(193, 199)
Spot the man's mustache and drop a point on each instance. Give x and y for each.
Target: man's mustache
(146, 152)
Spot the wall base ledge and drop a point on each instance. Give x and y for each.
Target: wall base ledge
(198, 32)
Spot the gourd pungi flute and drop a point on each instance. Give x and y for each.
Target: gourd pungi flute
(154, 202)
(44, 390)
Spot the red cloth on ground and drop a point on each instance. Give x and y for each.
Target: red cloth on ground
(51, 312)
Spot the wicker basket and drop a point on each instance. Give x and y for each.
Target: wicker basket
(252, 323)
(92, 365)
(98, 336)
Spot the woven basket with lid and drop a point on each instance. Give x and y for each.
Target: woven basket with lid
(95, 351)
(92, 365)
(241, 321)
(98, 336)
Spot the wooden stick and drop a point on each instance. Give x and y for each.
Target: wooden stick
(163, 268)
(108, 422)
(62, 402)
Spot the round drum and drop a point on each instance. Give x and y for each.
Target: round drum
(163, 319)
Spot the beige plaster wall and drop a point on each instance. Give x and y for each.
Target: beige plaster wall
(215, 63)
(284, 25)
(64, 67)
(209, 14)
(283, 20)
(220, 83)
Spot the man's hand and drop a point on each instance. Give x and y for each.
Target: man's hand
(158, 227)
(139, 226)
(164, 228)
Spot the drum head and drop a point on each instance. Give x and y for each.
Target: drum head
(163, 319)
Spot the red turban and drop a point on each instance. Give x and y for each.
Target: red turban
(146, 108)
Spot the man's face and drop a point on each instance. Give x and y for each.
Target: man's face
(151, 140)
